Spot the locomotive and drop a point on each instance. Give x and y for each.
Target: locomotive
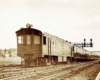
(37, 48)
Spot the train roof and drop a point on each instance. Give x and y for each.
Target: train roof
(28, 31)
(45, 33)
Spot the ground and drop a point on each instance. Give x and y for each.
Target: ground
(87, 74)
(9, 60)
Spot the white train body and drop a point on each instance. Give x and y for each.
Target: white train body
(38, 48)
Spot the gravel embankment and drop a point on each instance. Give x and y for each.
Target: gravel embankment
(87, 74)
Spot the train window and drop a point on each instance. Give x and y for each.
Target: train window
(44, 40)
(36, 39)
(54, 43)
(28, 39)
(20, 39)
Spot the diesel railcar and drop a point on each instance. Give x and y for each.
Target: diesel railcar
(37, 48)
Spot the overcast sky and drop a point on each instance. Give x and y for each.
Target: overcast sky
(72, 20)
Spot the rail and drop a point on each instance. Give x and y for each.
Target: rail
(98, 76)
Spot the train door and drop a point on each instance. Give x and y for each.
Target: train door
(49, 49)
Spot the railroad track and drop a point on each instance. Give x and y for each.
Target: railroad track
(41, 73)
(5, 73)
(58, 75)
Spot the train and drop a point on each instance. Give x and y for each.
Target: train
(37, 48)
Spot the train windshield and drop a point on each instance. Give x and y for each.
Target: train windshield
(36, 39)
(20, 39)
(28, 39)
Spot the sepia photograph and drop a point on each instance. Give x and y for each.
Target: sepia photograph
(49, 40)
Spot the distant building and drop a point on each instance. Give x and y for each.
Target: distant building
(8, 52)
(13, 52)
(96, 52)
(2, 53)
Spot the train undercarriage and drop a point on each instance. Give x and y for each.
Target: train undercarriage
(29, 60)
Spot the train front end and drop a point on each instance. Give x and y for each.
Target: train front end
(29, 45)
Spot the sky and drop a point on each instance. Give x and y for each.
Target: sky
(71, 20)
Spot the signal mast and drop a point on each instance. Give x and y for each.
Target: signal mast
(84, 44)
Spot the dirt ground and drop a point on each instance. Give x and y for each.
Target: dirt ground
(87, 74)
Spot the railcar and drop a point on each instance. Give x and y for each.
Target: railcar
(38, 49)
(83, 54)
